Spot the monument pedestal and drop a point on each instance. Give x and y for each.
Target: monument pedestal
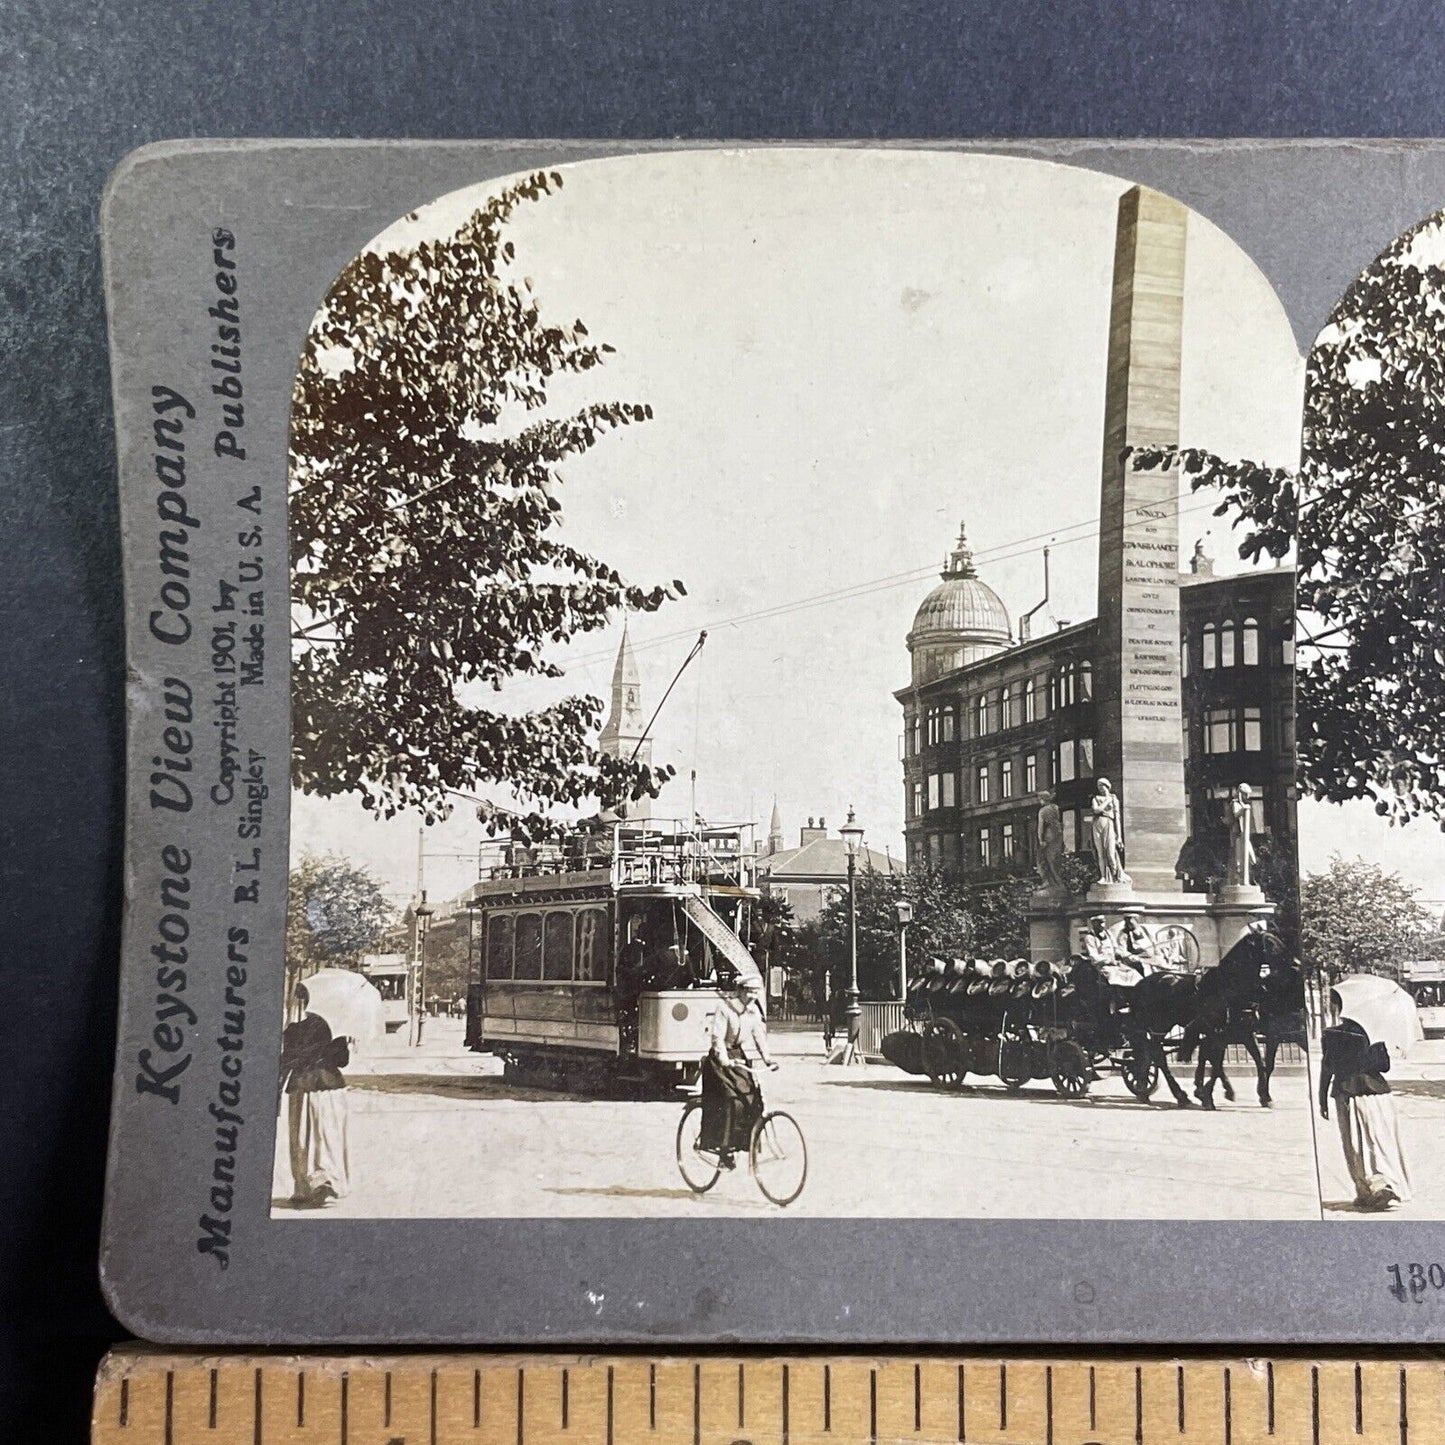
(1217, 922)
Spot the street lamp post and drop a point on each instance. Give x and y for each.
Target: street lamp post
(905, 917)
(423, 916)
(852, 836)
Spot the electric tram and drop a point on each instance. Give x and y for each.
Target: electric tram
(599, 958)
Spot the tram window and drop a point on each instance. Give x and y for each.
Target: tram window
(592, 945)
(499, 946)
(529, 946)
(557, 948)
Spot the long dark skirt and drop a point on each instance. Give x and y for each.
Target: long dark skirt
(729, 1105)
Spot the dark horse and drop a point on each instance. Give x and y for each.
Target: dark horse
(1254, 997)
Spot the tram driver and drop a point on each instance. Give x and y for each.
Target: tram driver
(731, 1101)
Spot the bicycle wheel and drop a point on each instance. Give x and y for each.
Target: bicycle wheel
(698, 1168)
(779, 1157)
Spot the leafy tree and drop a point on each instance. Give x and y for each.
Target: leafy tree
(1357, 918)
(335, 912)
(425, 467)
(1364, 511)
(951, 919)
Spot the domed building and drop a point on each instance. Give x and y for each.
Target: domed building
(991, 722)
(961, 621)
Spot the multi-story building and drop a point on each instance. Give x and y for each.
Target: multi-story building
(989, 722)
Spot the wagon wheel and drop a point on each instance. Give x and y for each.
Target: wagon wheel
(1069, 1069)
(941, 1040)
(1141, 1074)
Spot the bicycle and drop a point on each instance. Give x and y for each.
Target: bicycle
(777, 1153)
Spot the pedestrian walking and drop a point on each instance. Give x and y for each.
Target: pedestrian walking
(317, 1107)
(1352, 1074)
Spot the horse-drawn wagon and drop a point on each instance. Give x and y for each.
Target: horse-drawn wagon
(1066, 1022)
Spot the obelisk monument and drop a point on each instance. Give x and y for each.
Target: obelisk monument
(1138, 706)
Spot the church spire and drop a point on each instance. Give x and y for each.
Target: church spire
(625, 720)
(775, 831)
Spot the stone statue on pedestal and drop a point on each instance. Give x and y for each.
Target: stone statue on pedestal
(1241, 845)
(1106, 834)
(1049, 830)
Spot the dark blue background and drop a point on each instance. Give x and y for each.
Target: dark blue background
(83, 83)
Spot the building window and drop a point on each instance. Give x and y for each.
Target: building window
(950, 790)
(1219, 731)
(528, 947)
(557, 948)
(980, 715)
(1086, 681)
(985, 853)
(1253, 730)
(499, 945)
(1037, 705)
(933, 791)
(917, 734)
(981, 781)
(916, 852)
(1086, 757)
(916, 798)
(1007, 839)
(1031, 772)
(935, 851)
(1226, 645)
(1249, 643)
(949, 724)
(1006, 778)
(950, 850)
(1286, 649)
(1064, 763)
(1210, 647)
(1013, 704)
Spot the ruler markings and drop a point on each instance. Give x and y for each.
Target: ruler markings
(1404, 1407)
(1138, 1405)
(300, 1399)
(433, 1408)
(566, 1379)
(828, 1397)
(170, 1434)
(1269, 1396)
(211, 1410)
(386, 1399)
(1179, 1388)
(1315, 1404)
(256, 1409)
(521, 1405)
(917, 1399)
(1228, 1407)
(787, 1424)
(873, 1406)
(1093, 1401)
(742, 1399)
(962, 1406)
(1002, 1397)
(476, 1399)
(345, 1403)
(609, 1405)
(1048, 1405)
(652, 1397)
(124, 1414)
(697, 1405)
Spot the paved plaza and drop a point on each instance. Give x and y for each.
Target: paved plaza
(436, 1133)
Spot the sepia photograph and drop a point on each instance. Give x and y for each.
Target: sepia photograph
(793, 708)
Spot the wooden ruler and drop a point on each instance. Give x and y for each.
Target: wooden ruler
(149, 1397)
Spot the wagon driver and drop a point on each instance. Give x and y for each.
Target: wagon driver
(730, 1097)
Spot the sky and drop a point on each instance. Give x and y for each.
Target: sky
(847, 353)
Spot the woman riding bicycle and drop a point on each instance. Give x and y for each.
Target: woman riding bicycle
(731, 1101)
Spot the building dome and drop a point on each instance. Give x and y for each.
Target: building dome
(961, 621)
